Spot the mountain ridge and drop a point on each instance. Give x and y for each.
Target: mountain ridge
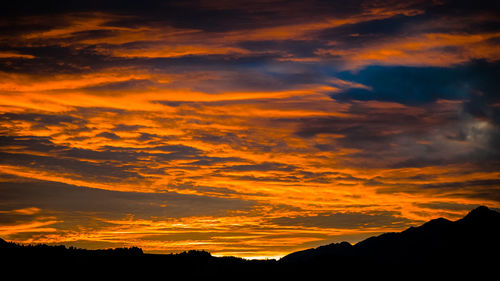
(439, 236)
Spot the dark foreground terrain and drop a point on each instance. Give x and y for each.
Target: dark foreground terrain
(437, 249)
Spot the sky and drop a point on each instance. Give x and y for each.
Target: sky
(244, 128)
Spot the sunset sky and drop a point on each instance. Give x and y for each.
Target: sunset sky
(245, 128)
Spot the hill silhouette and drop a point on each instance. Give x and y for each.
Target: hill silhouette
(439, 247)
(470, 238)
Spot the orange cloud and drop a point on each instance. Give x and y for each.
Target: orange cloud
(422, 50)
(28, 227)
(6, 55)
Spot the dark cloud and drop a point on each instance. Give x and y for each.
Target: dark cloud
(346, 220)
(103, 172)
(114, 164)
(426, 131)
(461, 184)
(447, 206)
(128, 128)
(130, 85)
(108, 135)
(41, 121)
(265, 166)
(11, 217)
(209, 161)
(368, 32)
(68, 55)
(486, 194)
(380, 134)
(295, 48)
(285, 178)
(464, 8)
(260, 78)
(242, 138)
(70, 199)
(57, 59)
(487, 189)
(206, 15)
(122, 154)
(456, 17)
(211, 190)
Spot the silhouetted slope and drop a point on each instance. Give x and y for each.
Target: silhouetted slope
(471, 239)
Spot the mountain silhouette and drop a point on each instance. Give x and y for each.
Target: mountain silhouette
(471, 242)
(438, 248)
